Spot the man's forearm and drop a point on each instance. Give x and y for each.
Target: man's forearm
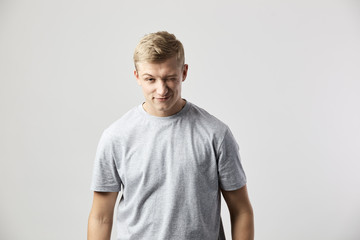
(242, 226)
(99, 229)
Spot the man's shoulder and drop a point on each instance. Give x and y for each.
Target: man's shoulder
(202, 116)
(124, 122)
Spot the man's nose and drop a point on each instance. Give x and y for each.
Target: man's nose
(162, 89)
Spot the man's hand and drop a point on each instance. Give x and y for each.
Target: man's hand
(241, 214)
(101, 216)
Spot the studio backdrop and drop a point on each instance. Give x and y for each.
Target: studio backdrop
(284, 75)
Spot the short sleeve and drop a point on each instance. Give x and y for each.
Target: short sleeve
(105, 174)
(231, 172)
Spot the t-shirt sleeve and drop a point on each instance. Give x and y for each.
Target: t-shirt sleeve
(231, 172)
(105, 174)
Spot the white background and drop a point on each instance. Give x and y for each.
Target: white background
(284, 75)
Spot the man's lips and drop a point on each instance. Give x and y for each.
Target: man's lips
(162, 98)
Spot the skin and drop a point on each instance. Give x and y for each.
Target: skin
(241, 213)
(101, 216)
(161, 86)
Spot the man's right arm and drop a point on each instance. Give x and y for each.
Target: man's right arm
(101, 216)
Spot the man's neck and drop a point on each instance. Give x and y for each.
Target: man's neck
(180, 105)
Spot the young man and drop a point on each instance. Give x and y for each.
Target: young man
(171, 157)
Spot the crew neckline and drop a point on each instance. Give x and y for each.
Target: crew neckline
(174, 116)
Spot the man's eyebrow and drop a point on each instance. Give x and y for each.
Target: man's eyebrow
(172, 75)
(167, 76)
(146, 74)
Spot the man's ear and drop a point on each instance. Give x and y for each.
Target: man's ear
(185, 70)
(136, 74)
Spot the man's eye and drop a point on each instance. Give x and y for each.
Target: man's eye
(150, 79)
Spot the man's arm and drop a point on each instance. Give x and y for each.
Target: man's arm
(241, 214)
(101, 216)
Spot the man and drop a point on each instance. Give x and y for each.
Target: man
(172, 159)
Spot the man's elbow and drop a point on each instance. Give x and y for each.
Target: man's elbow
(246, 211)
(101, 219)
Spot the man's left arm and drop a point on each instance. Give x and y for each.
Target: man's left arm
(241, 213)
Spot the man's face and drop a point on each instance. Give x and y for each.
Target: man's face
(161, 85)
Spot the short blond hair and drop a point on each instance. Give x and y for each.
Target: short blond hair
(158, 47)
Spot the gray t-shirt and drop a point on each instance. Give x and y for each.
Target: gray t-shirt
(171, 169)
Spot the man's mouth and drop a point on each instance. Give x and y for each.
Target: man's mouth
(163, 98)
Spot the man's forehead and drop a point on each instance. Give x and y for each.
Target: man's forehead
(167, 62)
(164, 68)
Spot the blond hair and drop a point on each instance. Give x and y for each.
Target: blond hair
(158, 47)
